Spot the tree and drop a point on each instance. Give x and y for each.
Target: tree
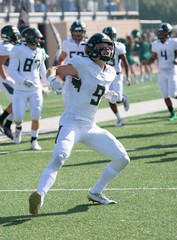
(158, 10)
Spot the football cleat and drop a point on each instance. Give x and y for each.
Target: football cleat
(8, 132)
(119, 123)
(35, 146)
(172, 117)
(34, 203)
(126, 102)
(100, 198)
(17, 136)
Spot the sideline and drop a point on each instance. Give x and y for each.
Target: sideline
(102, 115)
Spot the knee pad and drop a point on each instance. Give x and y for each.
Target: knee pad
(57, 161)
(121, 163)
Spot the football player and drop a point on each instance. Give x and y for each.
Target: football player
(91, 77)
(117, 84)
(26, 66)
(74, 45)
(165, 51)
(10, 36)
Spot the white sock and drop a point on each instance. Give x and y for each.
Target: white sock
(10, 117)
(118, 115)
(46, 181)
(34, 133)
(107, 176)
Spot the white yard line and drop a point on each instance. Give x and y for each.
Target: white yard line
(87, 150)
(107, 189)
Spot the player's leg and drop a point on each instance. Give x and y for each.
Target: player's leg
(117, 114)
(141, 73)
(7, 126)
(164, 86)
(68, 135)
(8, 90)
(105, 143)
(5, 114)
(18, 108)
(117, 86)
(35, 103)
(173, 82)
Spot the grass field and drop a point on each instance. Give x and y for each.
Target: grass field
(146, 190)
(53, 104)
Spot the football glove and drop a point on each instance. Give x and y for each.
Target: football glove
(112, 97)
(28, 83)
(54, 83)
(10, 81)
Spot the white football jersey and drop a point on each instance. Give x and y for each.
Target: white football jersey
(26, 64)
(71, 48)
(5, 50)
(85, 93)
(116, 62)
(165, 52)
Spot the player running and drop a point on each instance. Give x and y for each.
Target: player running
(10, 36)
(26, 66)
(117, 84)
(91, 77)
(165, 51)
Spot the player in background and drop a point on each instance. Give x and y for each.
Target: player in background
(130, 46)
(91, 77)
(10, 36)
(73, 45)
(144, 51)
(117, 84)
(165, 51)
(26, 66)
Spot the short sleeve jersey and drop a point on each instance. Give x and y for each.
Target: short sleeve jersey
(165, 52)
(116, 62)
(86, 92)
(29, 62)
(5, 50)
(72, 48)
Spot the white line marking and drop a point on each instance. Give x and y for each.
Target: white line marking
(74, 190)
(89, 150)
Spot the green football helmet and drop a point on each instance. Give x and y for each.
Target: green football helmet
(136, 33)
(29, 36)
(80, 27)
(111, 32)
(164, 31)
(92, 50)
(11, 33)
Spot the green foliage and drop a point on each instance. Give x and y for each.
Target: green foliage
(158, 10)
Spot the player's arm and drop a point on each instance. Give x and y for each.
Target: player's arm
(43, 72)
(61, 71)
(13, 70)
(61, 58)
(151, 59)
(3, 60)
(175, 60)
(125, 62)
